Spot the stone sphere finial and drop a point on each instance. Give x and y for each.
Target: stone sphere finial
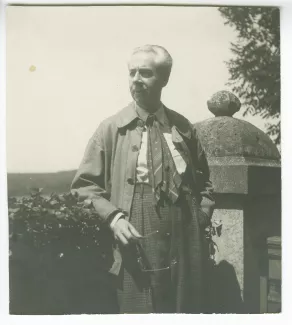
(223, 103)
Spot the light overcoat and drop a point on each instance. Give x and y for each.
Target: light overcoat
(106, 175)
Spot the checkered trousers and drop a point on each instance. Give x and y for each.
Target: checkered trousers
(155, 291)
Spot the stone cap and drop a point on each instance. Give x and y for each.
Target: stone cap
(223, 103)
(225, 136)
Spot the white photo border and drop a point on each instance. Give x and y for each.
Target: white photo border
(286, 149)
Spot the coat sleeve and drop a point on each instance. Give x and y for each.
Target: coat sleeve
(92, 179)
(203, 176)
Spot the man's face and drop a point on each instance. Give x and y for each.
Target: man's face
(144, 80)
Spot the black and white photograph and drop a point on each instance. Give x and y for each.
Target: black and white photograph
(143, 155)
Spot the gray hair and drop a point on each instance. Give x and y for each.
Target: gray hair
(163, 58)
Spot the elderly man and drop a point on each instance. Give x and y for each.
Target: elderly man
(147, 176)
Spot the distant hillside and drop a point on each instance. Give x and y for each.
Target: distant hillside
(18, 184)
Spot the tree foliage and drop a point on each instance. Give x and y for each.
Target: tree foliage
(255, 66)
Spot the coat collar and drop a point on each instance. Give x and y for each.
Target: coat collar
(177, 121)
(160, 114)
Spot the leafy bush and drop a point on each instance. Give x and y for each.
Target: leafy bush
(62, 217)
(45, 218)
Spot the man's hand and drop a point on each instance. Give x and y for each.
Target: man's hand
(204, 219)
(124, 232)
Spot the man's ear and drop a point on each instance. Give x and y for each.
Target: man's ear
(163, 77)
(164, 82)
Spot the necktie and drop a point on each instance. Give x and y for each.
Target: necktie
(154, 154)
(163, 175)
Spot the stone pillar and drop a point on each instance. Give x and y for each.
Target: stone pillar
(246, 174)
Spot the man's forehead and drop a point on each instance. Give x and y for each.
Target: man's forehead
(143, 59)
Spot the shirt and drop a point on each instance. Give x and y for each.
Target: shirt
(142, 172)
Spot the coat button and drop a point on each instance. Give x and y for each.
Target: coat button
(135, 148)
(130, 181)
(173, 261)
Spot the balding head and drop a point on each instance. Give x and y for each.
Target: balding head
(161, 56)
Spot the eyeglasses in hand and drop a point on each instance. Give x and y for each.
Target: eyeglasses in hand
(142, 260)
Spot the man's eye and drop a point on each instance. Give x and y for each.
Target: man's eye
(132, 73)
(146, 73)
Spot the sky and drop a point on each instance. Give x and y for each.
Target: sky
(67, 71)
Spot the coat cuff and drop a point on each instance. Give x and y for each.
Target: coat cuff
(118, 216)
(105, 209)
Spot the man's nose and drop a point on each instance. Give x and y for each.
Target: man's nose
(136, 77)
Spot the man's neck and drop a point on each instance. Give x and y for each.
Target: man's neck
(150, 108)
(143, 114)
